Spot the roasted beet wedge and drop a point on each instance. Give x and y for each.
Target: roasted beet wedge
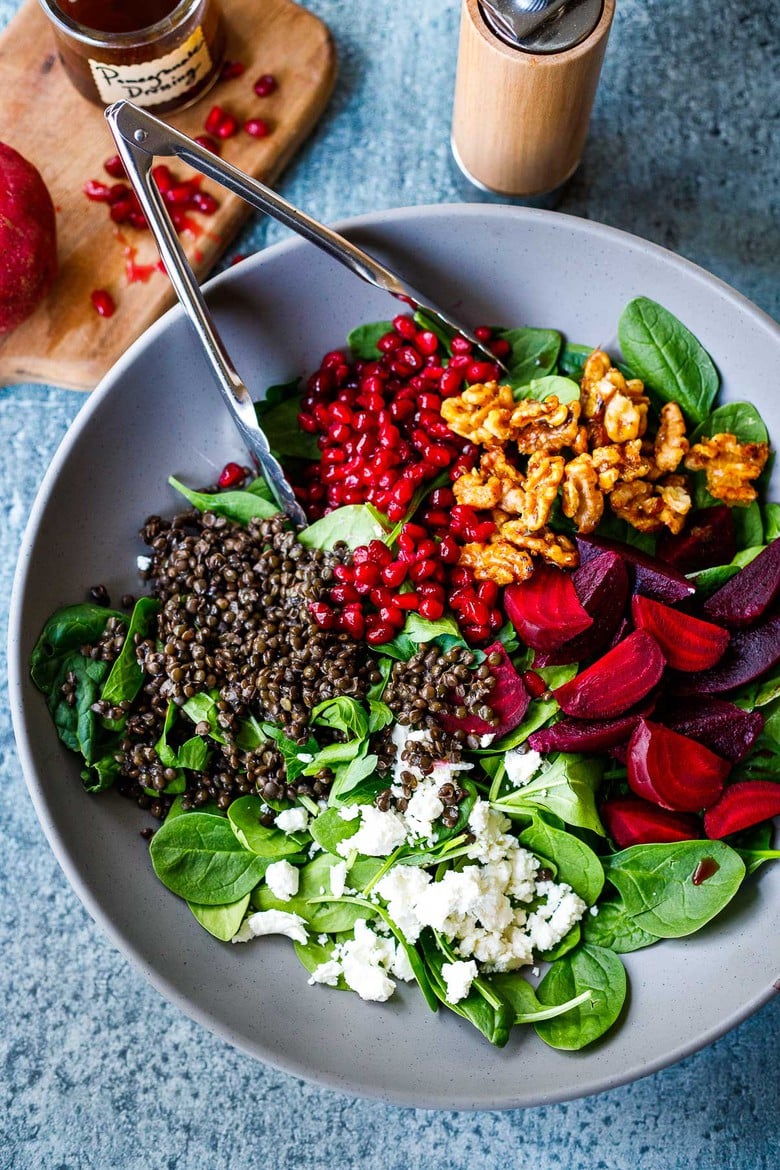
(509, 700)
(617, 681)
(742, 805)
(587, 735)
(750, 654)
(725, 728)
(687, 642)
(749, 594)
(671, 770)
(708, 540)
(545, 609)
(602, 588)
(632, 821)
(652, 577)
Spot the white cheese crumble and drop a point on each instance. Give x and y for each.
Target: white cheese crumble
(458, 978)
(271, 922)
(521, 766)
(338, 878)
(144, 564)
(379, 833)
(348, 812)
(282, 879)
(292, 820)
(327, 973)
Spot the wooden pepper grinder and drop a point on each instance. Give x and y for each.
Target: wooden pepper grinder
(526, 81)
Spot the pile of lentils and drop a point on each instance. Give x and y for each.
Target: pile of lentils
(235, 620)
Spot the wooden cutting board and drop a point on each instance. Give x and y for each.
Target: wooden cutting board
(65, 342)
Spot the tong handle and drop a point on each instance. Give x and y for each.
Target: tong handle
(139, 137)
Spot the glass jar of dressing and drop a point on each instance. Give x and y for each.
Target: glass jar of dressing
(161, 54)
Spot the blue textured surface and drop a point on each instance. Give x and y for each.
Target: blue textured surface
(96, 1070)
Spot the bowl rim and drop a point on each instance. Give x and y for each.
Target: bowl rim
(17, 669)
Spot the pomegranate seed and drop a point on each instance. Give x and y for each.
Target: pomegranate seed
(484, 531)
(231, 69)
(344, 572)
(96, 191)
(381, 596)
(353, 621)
(449, 550)
(179, 195)
(409, 356)
(231, 475)
(431, 608)
(460, 346)
(427, 343)
(389, 342)
(481, 372)
(534, 683)
(103, 302)
(451, 381)
(205, 203)
(221, 123)
(379, 553)
(423, 570)
(257, 127)
(380, 634)
(500, 347)
(407, 601)
(487, 591)
(367, 575)
(394, 574)
(115, 167)
(323, 615)
(344, 594)
(392, 615)
(120, 212)
(483, 333)
(405, 326)
(265, 85)
(208, 143)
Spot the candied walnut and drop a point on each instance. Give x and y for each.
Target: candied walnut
(620, 463)
(497, 561)
(615, 408)
(494, 462)
(476, 490)
(624, 419)
(649, 507)
(544, 426)
(543, 478)
(551, 546)
(481, 413)
(582, 499)
(670, 442)
(729, 465)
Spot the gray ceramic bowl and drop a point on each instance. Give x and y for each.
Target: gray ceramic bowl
(158, 413)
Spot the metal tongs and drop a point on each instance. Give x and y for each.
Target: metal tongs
(139, 138)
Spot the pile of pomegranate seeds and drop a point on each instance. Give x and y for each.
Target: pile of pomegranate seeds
(181, 196)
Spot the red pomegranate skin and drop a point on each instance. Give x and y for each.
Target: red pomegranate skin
(28, 239)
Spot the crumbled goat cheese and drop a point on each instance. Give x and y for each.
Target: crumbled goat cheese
(282, 879)
(379, 833)
(553, 918)
(424, 807)
(364, 960)
(487, 739)
(327, 973)
(401, 967)
(402, 887)
(271, 922)
(490, 828)
(348, 812)
(338, 878)
(458, 978)
(305, 757)
(521, 766)
(144, 564)
(292, 820)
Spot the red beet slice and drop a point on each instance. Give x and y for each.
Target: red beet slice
(652, 577)
(545, 609)
(617, 681)
(632, 821)
(509, 700)
(750, 654)
(672, 770)
(708, 540)
(750, 592)
(742, 805)
(602, 588)
(687, 642)
(587, 735)
(722, 726)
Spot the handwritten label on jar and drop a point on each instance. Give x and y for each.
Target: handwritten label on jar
(151, 82)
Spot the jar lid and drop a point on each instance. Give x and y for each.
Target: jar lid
(541, 26)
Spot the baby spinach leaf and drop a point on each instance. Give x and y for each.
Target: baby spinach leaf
(564, 389)
(615, 928)
(571, 361)
(353, 525)
(193, 753)
(666, 355)
(421, 630)
(771, 522)
(533, 354)
(221, 921)
(520, 996)
(127, 676)
(292, 752)
(244, 818)
(575, 862)
(275, 394)
(495, 1023)
(329, 829)
(199, 857)
(569, 941)
(733, 418)
(102, 774)
(79, 728)
(314, 901)
(590, 968)
(285, 437)
(567, 788)
(348, 778)
(384, 665)
(401, 647)
(66, 632)
(342, 714)
(362, 340)
(748, 526)
(657, 888)
(708, 581)
(379, 716)
(241, 506)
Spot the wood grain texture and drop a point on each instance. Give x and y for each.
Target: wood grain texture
(520, 120)
(65, 342)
